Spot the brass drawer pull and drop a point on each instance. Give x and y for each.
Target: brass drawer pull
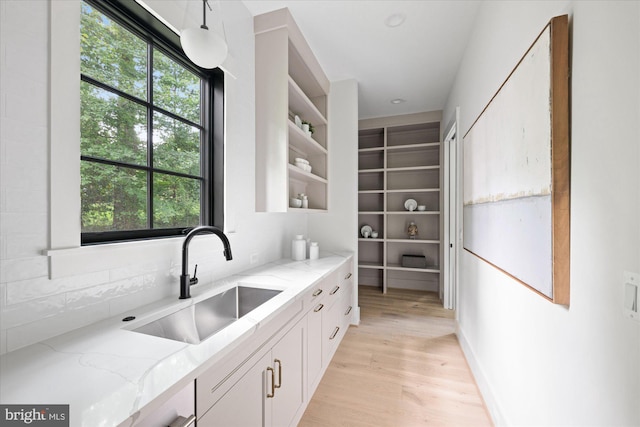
(279, 363)
(334, 290)
(273, 382)
(335, 332)
(318, 308)
(348, 310)
(317, 292)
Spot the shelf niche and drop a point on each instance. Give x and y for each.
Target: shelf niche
(289, 82)
(399, 158)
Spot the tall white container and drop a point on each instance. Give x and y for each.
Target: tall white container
(298, 248)
(314, 251)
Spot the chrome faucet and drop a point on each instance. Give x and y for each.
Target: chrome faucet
(185, 280)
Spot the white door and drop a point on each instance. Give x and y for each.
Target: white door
(451, 214)
(243, 404)
(287, 361)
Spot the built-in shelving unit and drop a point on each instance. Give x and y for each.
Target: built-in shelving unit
(289, 83)
(399, 159)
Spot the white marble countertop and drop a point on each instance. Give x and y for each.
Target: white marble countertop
(107, 373)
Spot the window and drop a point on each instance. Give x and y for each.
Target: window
(151, 130)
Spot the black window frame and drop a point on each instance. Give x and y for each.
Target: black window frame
(143, 24)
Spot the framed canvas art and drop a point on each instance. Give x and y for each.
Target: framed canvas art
(517, 171)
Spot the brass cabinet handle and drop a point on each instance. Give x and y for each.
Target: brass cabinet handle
(273, 382)
(348, 310)
(335, 332)
(279, 363)
(334, 290)
(317, 292)
(318, 308)
(348, 277)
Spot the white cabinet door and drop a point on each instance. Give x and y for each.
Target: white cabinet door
(287, 361)
(243, 404)
(314, 346)
(270, 393)
(331, 326)
(336, 317)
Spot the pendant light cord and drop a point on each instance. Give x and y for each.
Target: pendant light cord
(205, 4)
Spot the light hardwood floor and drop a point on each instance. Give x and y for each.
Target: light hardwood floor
(402, 366)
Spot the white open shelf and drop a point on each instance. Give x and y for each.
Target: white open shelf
(397, 162)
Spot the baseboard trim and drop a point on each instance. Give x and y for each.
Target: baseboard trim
(355, 319)
(493, 406)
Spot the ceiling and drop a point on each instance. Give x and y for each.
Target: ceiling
(416, 61)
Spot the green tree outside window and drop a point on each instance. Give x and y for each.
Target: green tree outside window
(141, 132)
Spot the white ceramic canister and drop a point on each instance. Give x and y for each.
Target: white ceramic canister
(314, 251)
(298, 248)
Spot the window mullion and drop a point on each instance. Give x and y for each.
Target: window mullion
(150, 189)
(204, 169)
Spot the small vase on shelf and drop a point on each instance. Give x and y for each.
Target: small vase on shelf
(412, 230)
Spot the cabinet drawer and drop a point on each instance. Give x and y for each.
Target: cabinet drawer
(181, 404)
(332, 330)
(242, 404)
(341, 283)
(346, 311)
(215, 382)
(345, 271)
(335, 289)
(314, 345)
(335, 322)
(315, 294)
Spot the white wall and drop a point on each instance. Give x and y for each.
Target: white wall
(337, 229)
(537, 363)
(33, 307)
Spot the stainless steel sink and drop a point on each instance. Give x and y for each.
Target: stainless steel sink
(203, 319)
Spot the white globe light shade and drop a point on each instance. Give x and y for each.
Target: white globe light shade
(205, 48)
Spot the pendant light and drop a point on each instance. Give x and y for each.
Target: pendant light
(204, 47)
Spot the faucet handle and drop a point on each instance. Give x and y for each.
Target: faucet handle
(194, 279)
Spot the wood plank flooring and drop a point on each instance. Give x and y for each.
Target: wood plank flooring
(402, 367)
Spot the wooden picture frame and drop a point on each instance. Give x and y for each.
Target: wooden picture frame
(517, 171)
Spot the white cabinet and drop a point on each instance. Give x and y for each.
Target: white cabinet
(286, 385)
(336, 319)
(269, 391)
(328, 321)
(180, 404)
(314, 346)
(242, 405)
(399, 159)
(269, 381)
(289, 83)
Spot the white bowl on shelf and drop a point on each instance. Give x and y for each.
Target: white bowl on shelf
(304, 166)
(294, 202)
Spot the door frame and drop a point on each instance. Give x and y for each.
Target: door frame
(451, 212)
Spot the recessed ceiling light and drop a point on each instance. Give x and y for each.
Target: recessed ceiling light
(398, 101)
(395, 20)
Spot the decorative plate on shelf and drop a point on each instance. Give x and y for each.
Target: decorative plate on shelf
(366, 230)
(410, 205)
